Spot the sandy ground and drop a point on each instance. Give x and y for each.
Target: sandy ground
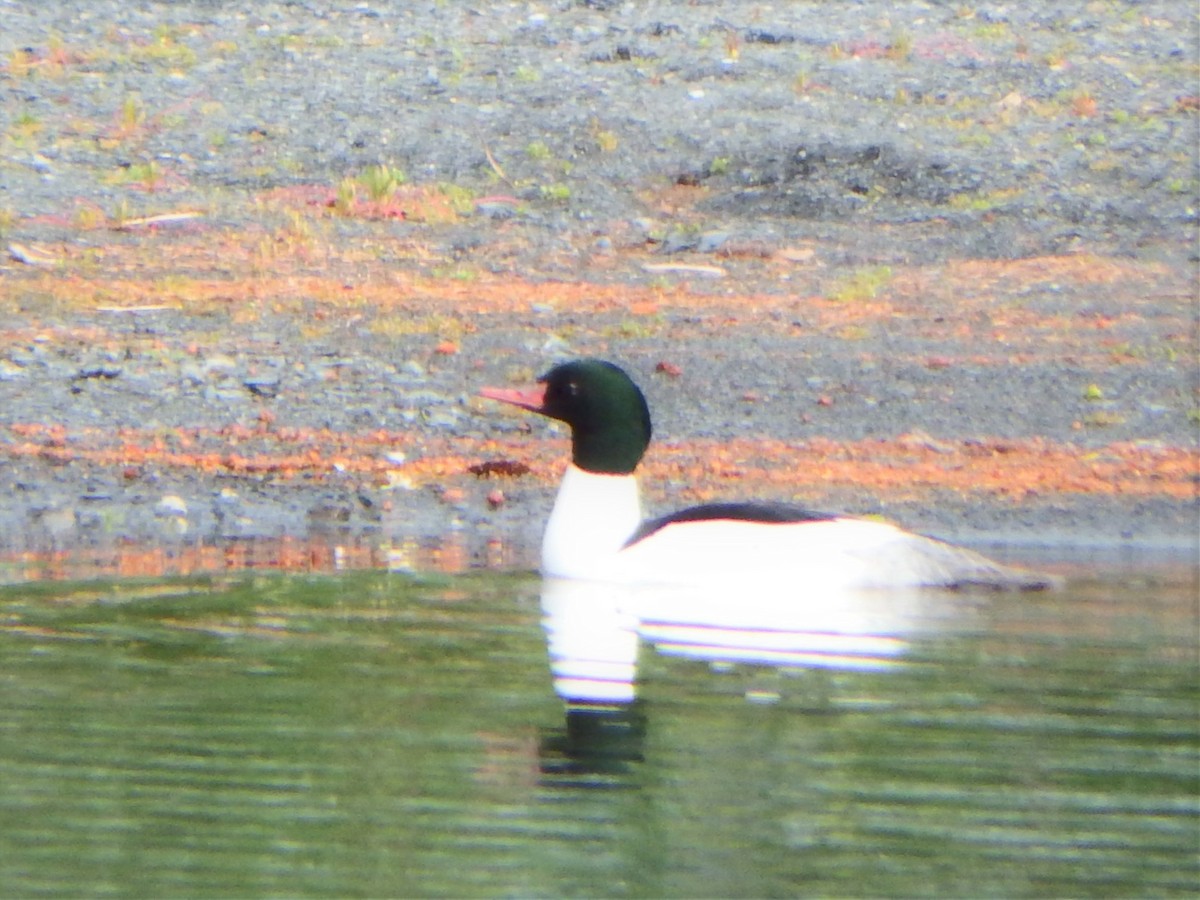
(935, 263)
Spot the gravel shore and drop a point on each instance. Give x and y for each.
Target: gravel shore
(845, 222)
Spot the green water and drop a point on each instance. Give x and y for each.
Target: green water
(383, 735)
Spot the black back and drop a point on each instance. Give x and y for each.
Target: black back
(763, 513)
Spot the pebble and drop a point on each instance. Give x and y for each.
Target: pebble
(10, 371)
(171, 505)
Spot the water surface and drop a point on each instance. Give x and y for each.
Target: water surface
(375, 734)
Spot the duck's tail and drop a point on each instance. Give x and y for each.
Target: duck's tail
(945, 565)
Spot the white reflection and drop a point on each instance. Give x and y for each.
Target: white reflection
(592, 634)
(593, 629)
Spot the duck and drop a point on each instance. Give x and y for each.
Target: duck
(597, 532)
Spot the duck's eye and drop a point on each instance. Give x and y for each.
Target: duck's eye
(573, 388)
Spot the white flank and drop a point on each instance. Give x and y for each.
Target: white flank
(594, 516)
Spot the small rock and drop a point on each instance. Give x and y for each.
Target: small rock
(106, 372)
(218, 365)
(263, 387)
(171, 505)
(442, 417)
(679, 241)
(58, 521)
(495, 210)
(711, 241)
(10, 371)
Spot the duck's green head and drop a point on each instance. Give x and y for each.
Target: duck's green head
(609, 419)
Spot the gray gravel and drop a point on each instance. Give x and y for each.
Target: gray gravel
(1061, 119)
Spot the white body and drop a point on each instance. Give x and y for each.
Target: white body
(594, 516)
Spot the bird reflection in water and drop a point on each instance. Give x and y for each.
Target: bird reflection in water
(594, 631)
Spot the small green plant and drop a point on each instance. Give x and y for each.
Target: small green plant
(132, 115)
(1060, 56)
(865, 284)
(345, 196)
(970, 202)
(461, 199)
(121, 212)
(298, 227)
(974, 139)
(537, 150)
(165, 49)
(527, 75)
(146, 174)
(992, 31)
(1126, 350)
(607, 140)
(900, 50)
(1093, 394)
(405, 324)
(381, 181)
(559, 193)
(26, 124)
(88, 217)
(719, 166)
(637, 328)
(466, 276)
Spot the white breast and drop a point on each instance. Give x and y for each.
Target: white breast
(593, 517)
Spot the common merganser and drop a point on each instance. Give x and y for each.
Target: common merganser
(596, 530)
